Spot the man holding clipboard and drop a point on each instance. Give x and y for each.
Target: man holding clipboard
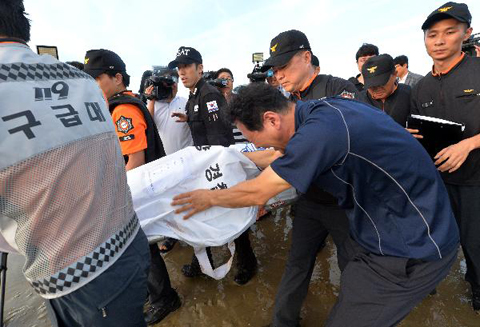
(451, 91)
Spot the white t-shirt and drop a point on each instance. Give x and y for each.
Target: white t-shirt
(175, 136)
(402, 80)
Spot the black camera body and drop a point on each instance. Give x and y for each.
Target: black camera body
(209, 77)
(162, 87)
(257, 75)
(468, 46)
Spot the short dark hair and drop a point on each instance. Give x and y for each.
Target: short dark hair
(76, 64)
(125, 76)
(401, 60)
(13, 20)
(252, 101)
(222, 70)
(366, 49)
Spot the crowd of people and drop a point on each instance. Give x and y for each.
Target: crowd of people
(396, 214)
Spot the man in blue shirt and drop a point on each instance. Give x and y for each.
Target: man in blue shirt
(403, 236)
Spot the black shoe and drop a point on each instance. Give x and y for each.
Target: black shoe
(154, 314)
(191, 270)
(246, 272)
(476, 299)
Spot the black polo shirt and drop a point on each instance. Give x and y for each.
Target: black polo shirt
(206, 116)
(354, 81)
(454, 96)
(397, 105)
(325, 86)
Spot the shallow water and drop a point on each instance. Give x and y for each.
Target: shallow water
(223, 303)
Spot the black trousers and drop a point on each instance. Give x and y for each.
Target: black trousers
(465, 202)
(311, 225)
(380, 291)
(159, 287)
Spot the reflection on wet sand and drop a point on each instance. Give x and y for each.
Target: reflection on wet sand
(223, 303)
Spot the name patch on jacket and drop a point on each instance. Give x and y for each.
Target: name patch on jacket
(126, 137)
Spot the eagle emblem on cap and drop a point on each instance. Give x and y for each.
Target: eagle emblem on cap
(468, 91)
(274, 48)
(372, 70)
(86, 61)
(445, 9)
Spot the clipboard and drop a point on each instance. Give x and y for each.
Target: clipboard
(437, 133)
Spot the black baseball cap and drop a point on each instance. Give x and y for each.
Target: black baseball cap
(315, 61)
(458, 11)
(100, 61)
(284, 46)
(377, 70)
(186, 55)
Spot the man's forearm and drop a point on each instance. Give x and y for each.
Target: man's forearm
(244, 194)
(263, 159)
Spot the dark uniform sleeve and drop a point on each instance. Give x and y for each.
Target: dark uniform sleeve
(339, 86)
(414, 103)
(212, 109)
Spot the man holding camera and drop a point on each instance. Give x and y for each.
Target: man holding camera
(140, 144)
(209, 126)
(316, 213)
(452, 91)
(162, 103)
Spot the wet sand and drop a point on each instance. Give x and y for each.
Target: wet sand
(210, 303)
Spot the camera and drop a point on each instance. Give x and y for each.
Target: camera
(468, 45)
(209, 77)
(162, 80)
(257, 75)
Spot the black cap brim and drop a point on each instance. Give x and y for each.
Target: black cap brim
(441, 16)
(174, 64)
(280, 60)
(94, 72)
(378, 80)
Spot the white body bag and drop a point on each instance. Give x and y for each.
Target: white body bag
(154, 185)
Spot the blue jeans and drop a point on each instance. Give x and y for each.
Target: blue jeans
(115, 298)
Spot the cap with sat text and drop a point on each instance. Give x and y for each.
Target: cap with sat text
(377, 70)
(458, 11)
(186, 55)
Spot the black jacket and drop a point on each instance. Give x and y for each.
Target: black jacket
(207, 119)
(397, 105)
(355, 82)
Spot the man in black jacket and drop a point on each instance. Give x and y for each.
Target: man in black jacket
(452, 91)
(382, 89)
(209, 126)
(316, 213)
